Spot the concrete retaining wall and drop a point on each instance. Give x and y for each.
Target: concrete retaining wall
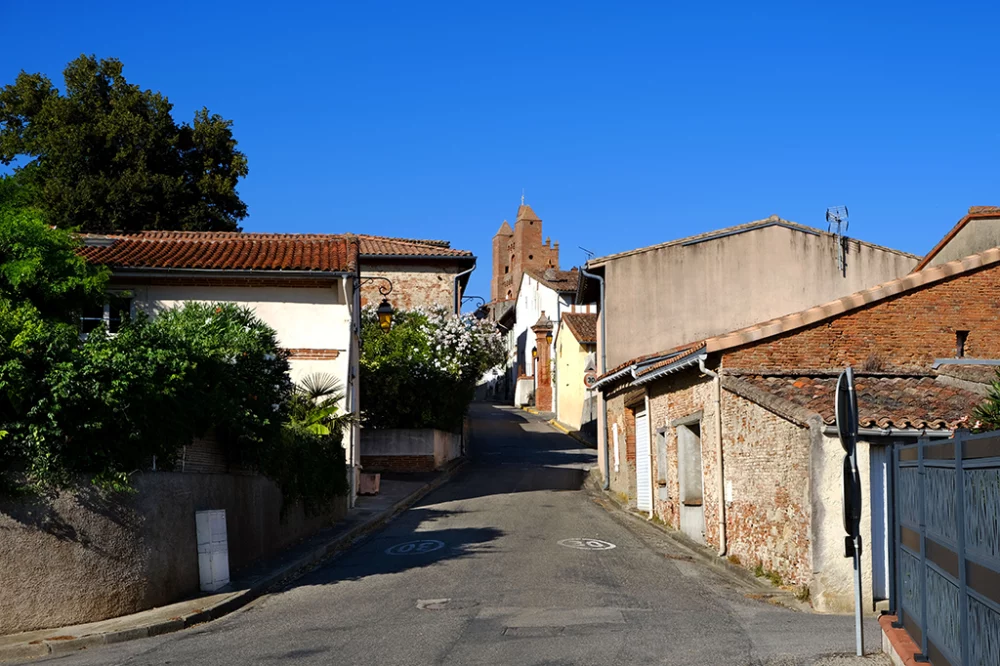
(408, 449)
(80, 557)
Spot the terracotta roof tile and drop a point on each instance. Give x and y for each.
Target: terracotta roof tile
(385, 245)
(883, 401)
(583, 326)
(556, 279)
(223, 251)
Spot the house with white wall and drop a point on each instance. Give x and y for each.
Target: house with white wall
(305, 286)
(552, 292)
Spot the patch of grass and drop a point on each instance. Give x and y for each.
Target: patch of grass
(735, 559)
(622, 497)
(802, 593)
(758, 570)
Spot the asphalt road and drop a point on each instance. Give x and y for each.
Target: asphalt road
(481, 572)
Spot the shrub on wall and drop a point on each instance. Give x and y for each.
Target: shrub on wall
(422, 373)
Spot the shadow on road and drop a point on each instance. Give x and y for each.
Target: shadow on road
(403, 547)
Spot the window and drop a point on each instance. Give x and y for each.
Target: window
(506, 269)
(114, 311)
(960, 338)
(531, 256)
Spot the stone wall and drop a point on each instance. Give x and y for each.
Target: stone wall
(413, 285)
(408, 449)
(81, 557)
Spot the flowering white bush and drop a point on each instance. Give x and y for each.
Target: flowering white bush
(423, 371)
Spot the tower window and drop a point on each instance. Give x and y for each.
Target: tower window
(960, 338)
(506, 269)
(531, 256)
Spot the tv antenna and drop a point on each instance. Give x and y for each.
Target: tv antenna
(837, 222)
(590, 255)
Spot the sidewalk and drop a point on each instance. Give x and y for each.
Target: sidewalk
(398, 493)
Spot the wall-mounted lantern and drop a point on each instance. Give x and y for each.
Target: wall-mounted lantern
(384, 312)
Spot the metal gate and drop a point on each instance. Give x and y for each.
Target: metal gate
(947, 551)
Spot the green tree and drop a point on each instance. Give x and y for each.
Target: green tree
(105, 155)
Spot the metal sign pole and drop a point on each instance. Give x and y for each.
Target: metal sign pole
(847, 426)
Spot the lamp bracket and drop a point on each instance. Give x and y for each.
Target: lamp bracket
(382, 289)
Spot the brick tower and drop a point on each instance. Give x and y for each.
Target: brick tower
(517, 249)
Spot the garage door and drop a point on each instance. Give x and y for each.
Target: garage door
(643, 473)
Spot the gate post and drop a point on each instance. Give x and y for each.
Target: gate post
(963, 590)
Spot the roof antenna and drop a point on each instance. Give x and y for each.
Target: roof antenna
(590, 255)
(837, 217)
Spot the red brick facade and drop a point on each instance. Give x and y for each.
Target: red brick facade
(519, 248)
(413, 284)
(397, 463)
(543, 376)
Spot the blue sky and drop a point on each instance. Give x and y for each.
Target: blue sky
(626, 124)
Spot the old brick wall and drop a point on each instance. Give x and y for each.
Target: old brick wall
(766, 465)
(906, 331)
(621, 406)
(412, 285)
(672, 398)
(398, 463)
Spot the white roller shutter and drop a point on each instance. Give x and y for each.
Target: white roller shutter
(643, 473)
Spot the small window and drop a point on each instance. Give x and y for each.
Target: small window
(112, 314)
(531, 256)
(960, 339)
(506, 269)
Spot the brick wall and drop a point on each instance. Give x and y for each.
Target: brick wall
(907, 331)
(619, 404)
(677, 397)
(397, 463)
(766, 461)
(412, 285)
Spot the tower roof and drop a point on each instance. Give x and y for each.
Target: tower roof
(505, 230)
(524, 212)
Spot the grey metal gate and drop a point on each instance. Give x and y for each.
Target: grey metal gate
(947, 551)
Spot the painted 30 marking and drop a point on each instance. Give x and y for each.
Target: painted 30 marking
(415, 547)
(584, 543)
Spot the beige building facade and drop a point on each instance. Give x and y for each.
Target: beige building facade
(575, 344)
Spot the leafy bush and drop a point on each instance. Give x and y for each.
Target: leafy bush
(422, 373)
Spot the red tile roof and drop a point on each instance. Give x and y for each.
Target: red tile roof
(883, 401)
(556, 279)
(387, 246)
(583, 326)
(223, 251)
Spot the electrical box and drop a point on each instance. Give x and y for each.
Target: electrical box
(213, 549)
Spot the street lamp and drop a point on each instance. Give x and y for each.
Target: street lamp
(384, 312)
(534, 353)
(548, 338)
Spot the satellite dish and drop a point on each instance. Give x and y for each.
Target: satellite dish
(847, 411)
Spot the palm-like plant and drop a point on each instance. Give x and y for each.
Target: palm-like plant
(987, 413)
(315, 405)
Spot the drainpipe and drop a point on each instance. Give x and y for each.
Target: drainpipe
(721, 491)
(458, 291)
(603, 413)
(353, 356)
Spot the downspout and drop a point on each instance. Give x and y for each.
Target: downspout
(353, 358)
(602, 430)
(458, 292)
(721, 490)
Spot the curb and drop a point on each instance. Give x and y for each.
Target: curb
(566, 431)
(897, 644)
(281, 576)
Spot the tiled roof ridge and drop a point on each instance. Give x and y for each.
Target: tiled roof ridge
(746, 226)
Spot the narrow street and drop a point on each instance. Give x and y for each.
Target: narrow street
(498, 576)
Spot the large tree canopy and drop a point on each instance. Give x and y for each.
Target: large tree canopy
(105, 155)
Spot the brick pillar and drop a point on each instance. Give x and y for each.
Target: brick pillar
(543, 378)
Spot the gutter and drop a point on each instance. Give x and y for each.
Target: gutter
(458, 293)
(200, 272)
(721, 490)
(698, 357)
(602, 427)
(892, 432)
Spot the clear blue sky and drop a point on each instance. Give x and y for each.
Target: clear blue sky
(626, 124)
